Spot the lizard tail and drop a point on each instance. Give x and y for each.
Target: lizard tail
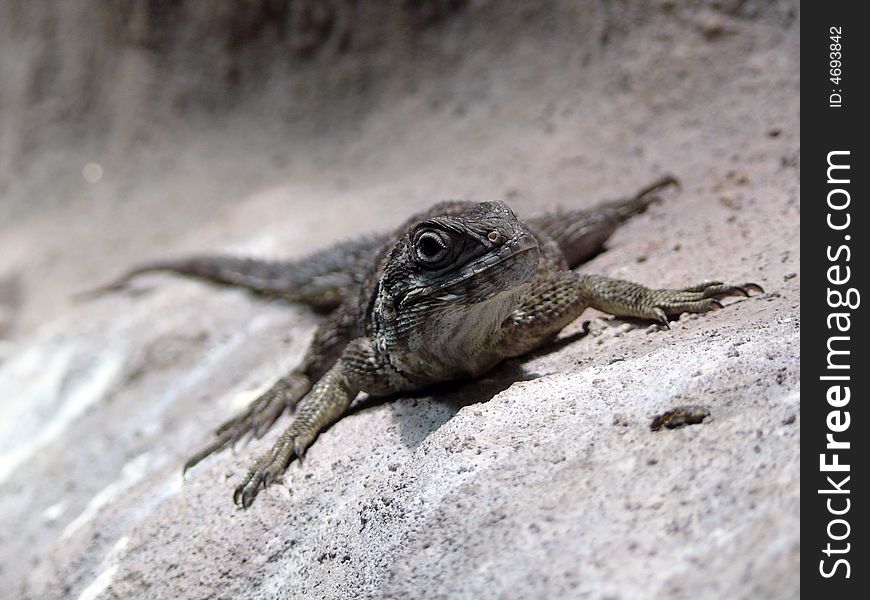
(265, 277)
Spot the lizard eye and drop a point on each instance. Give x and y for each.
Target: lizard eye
(431, 247)
(434, 248)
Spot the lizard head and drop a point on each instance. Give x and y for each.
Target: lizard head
(447, 286)
(461, 259)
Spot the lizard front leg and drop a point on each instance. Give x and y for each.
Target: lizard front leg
(258, 417)
(554, 300)
(329, 342)
(627, 299)
(356, 370)
(326, 402)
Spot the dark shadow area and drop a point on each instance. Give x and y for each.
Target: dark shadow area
(421, 413)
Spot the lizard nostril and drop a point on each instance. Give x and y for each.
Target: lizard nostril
(494, 237)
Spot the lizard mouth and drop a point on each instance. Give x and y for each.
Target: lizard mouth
(512, 251)
(525, 243)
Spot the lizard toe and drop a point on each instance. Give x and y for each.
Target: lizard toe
(681, 305)
(245, 492)
(702, 297)
(722, 290)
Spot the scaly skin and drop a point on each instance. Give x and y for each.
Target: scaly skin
(449, 295)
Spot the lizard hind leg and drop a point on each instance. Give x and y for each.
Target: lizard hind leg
(328, 344)
(581, 233)
(624, 209)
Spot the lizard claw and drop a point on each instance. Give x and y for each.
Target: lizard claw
(666, 181)
(661, 318)
(327, 400)
(266, 470)
(239, 498)
(262, 474)
(299, 450)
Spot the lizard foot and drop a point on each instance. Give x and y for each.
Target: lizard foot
(323, 405)
(698, 298)
(269, 467)
(257, 418)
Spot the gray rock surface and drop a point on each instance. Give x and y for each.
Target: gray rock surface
(132, 133)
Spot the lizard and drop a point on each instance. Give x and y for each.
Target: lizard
(448, 295)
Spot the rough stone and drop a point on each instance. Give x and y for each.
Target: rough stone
(232, 131)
